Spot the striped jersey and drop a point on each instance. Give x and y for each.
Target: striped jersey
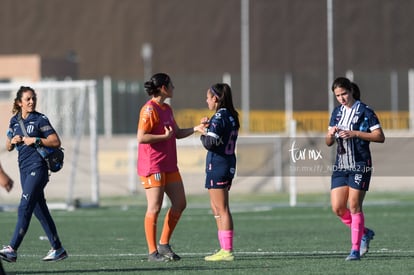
(357, 151)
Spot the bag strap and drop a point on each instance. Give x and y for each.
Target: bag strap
(20, 120)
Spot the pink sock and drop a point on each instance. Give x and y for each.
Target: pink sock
(357, 230)
(226, 239)
(346, 218)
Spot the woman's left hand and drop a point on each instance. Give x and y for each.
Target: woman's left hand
(346, 134)
(29, 140)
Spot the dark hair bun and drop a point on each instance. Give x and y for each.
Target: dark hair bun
(149, 85)
(157, 81)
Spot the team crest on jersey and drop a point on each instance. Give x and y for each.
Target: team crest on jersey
(30, 129)
(149, 109)
(147, 112)
(355, 119)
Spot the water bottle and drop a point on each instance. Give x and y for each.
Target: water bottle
(341, 147)
(364, 127)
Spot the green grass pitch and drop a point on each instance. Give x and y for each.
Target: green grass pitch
(270, 238)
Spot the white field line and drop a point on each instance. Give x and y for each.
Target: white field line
(239, 253)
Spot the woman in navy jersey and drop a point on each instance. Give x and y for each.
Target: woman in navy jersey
(34, 173)
(220, 140)
(353, 125)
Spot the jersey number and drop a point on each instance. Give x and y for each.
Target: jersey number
(231, 144)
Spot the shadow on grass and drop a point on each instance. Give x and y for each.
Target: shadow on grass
(328, 255)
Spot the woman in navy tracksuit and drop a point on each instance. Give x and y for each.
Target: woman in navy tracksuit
(34, 174)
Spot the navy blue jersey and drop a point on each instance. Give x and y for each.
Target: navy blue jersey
(222, 133)
(37, 125)
(357, 153)
(220, 141)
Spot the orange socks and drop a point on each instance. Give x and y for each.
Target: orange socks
(150, 224)
(171, 220)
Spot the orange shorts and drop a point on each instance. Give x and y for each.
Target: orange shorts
(160, 179)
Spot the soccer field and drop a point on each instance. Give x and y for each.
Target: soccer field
(270, 238)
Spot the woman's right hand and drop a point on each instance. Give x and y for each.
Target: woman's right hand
(205, 121)
(16, 140)
(332, 131)
(11, 143)
(330, 136)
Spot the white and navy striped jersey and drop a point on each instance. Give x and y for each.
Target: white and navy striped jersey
(357, 151)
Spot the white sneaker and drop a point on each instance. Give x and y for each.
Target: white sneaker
(368, 236)
(8, 254)
(55, 255)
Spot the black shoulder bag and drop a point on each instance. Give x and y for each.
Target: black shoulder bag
(53, 156)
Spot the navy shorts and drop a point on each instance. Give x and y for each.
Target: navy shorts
(356, 179)
(219, 172)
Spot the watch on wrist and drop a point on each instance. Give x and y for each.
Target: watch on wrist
(38, 141)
